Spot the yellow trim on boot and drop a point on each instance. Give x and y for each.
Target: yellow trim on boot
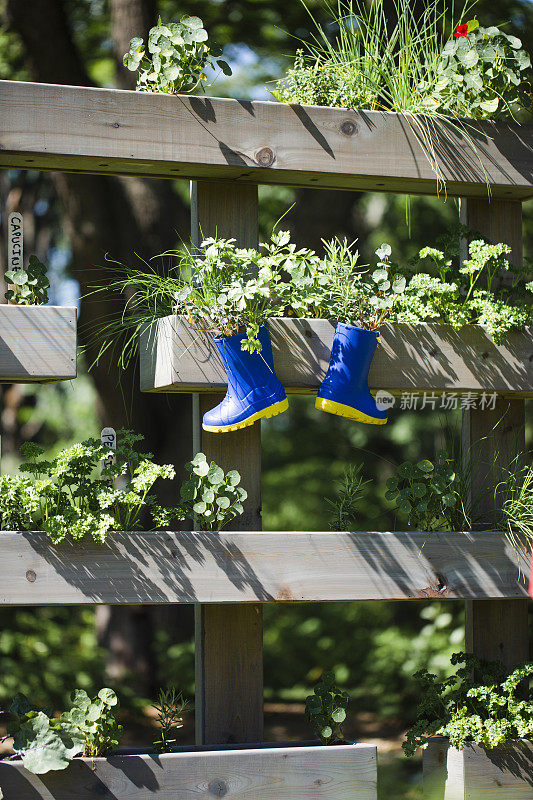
(331, 407)
(266, 413)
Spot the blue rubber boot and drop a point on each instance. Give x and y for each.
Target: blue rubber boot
(254, 392)
(344, 391)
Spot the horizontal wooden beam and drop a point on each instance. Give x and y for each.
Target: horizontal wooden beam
(80, 129)
(37, 344)
(283, 772)
(432, 358)
(251, 567)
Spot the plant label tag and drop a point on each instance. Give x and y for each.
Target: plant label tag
(108, 437)
(15, 248)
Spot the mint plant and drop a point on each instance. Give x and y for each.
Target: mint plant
(46, 743)
(29, 286)
(482, 703)
(326, 708)
(175, 58)
(210, 496)
(170, 708)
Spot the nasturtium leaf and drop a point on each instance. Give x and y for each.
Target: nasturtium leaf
(199, 507)
(339, 715)
(233, 478)
(215, 475)
(425, 466)
(108, 696)
(223, 502)
(19, 277)
(490, 105)
(208, 496)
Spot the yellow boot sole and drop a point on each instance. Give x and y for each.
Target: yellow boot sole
(331, 407)
(266, 413)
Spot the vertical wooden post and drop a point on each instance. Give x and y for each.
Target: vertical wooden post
(229, 638)
(491, 438)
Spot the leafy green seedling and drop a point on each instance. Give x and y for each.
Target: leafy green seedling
(429, 494)
(46, 743)
(29, 286)
(175, 59)
(211, 496)
(326, 709)
(170, 707)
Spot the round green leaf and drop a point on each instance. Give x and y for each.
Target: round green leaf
(233, 478)
(20, 277)
(215, 475)
(223, 502)
(425, 465)
(199, 507)
(339, 715)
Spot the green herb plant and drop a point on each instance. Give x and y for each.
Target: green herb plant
(211, 496)
(175, 59)
(221, 289)
(170, 708)
(76, 494)
(337, 287)
(430, 494)
(326, 709)
(95, 719)
(482, 703)
(485, 289)
(28, 286)
(481, 73)
(422, 65)
(46, 743)
(346, 505)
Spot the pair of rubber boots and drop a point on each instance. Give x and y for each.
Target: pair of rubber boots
(254, 391)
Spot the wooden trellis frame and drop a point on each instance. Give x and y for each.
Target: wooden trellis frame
(229, 147)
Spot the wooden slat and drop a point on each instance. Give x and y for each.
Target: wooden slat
(495, 629)
(340, 772)
(478, 774)
(229, 638)
(108, 131)
(37, 343)
(175, 357)
(258, 567)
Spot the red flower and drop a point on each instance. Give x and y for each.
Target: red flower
(461, 30)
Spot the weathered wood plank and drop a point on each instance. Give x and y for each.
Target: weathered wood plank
(84, 129)
(492, 438)
(229, 638)
(475, 773)
(340, 772)
(37, 343)
(432, 358)
(258, 567)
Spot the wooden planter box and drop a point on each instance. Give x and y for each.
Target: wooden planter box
(435, 358)
(111, 131)
(503, 773)
(249, 772)
(37, 344)
(259, 567)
